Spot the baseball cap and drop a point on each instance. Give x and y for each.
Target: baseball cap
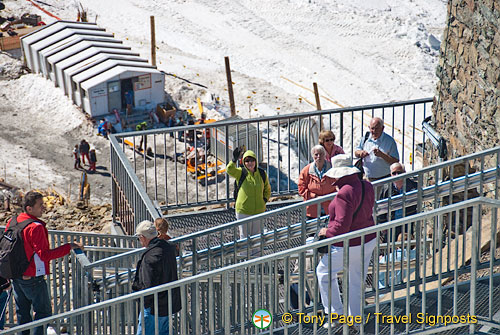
(147, 229)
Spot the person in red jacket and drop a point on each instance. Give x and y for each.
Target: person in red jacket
(350, 210)
(31, 289)
(314, 183)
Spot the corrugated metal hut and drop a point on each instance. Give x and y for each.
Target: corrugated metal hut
(92, 67)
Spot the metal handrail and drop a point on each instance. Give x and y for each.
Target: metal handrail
(198, 255)
(436, 139)
(60, 280)
(222, 319)
(442, 188)
(198, 262)
(277, 117)
(137, 199)
(295, 230)
(185, 193)
(62, 270)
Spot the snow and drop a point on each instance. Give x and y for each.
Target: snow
(44, 102)
(358, 51)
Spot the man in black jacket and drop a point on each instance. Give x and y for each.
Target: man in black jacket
(396, 188)
(157, 266)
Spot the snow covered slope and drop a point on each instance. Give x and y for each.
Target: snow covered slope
(358, 51)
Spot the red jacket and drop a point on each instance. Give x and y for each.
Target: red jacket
(344, 205)
(310, 187)
(36, 244)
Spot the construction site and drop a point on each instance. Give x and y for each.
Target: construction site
(165, 132)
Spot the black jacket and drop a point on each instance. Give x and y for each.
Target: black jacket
(158, 266)
(410, 210)
(84, 147)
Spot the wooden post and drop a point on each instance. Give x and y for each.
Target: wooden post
(29, 175)
(230, 87)
(68, 198)
(153, 41)
(318, 105)
(200, 106)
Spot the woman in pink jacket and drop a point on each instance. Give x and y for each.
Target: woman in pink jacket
(350, 210)
(313, 181)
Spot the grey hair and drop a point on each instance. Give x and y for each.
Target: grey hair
(394, 165)
(379, 121)
(316, 148)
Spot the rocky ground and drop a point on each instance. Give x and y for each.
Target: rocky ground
(64, 215)
(40, 127)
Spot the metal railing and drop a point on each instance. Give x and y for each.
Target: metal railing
(222, 246)
(97, 278)
(131, 204)
(61, 280)
(223, 301)
(281, 142)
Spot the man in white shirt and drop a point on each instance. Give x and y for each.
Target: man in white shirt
(378, 151)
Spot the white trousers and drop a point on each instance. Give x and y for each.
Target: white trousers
(334, 305)
(250, 229)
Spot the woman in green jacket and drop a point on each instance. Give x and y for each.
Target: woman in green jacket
(253, 192)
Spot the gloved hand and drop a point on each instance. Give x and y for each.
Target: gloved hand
(236, 154)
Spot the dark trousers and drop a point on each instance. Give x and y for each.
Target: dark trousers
(77, 164)
(28, 293)
(144, 140)
(3, 307)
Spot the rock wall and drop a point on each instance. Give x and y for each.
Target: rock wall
(466, 107)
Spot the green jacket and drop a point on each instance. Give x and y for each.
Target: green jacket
(254, 192)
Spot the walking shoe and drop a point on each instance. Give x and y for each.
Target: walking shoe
(334, 324)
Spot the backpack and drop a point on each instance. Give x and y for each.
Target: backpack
(13, 260)
(244, 174)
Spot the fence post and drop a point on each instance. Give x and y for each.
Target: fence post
(153, 47)
(225, 301)
(473, 268)
(318, 105)
(230, 87)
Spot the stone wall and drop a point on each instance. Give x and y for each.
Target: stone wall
(466, 107)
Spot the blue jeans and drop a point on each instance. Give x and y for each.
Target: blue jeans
(149, 324)
(32, 292)
(3, 307)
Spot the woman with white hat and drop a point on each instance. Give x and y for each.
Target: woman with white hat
(350, 210)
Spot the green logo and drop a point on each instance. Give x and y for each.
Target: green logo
(262, 319)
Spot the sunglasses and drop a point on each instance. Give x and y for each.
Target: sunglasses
(249, 160)
(395, 173)
(329, 139)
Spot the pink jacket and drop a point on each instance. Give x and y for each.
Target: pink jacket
(344, 205)
(336, 150)
(310, 187)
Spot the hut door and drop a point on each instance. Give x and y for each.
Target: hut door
(114, 95)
